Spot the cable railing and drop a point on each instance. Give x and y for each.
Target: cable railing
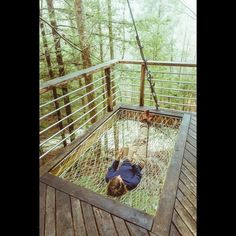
(49, 127)
(74, 91)
(107, 85)
(175, 84)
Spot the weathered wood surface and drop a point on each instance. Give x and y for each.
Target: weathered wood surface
(121, 226)
(180, 225)
(154, 111)
(190, 158)
(184, 216)
(187, 204)
(63, 214)
(60, 81)
(42, 206)
(107, 204)
(75, 75)
(136, 230)
(50, 221)
(89, 219)
(78, 220)
(174, 231)
(105, 223)
(73, 211)
(162, 220)
(158, 63)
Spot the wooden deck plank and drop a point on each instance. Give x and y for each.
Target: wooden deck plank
(135, 230)
(189, 175)
(193, 117)
(42, 209)
(187, 193)
(189, 167)
(174, 231)
(104, 222)
(152, 234)
(188, 183)
(50, 221)
(187, 204)
(193, 120)
(180, 225)
(120, 226)
(162, 220)
(90, 223)
(114, 207)
(192, 141)
(78, 221)
(193, 127)
(190, 158)
(64, 221)
(192, 134)
(191, 149)
(186, 217)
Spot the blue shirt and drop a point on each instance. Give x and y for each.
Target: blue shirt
(130, 173)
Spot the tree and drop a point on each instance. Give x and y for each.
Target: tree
(110, 29)
(85, 47)
(51, 76)
(59, 58)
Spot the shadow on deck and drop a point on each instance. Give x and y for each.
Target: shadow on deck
(65, 210)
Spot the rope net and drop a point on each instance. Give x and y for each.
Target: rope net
(154, 144)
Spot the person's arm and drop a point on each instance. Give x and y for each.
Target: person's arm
(112, 170)
(137, 177)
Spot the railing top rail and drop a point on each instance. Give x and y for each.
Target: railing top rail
(160, 63)
(44, 87)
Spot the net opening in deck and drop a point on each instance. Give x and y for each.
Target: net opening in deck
(87, 165)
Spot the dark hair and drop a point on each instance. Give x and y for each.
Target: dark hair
(116, 187)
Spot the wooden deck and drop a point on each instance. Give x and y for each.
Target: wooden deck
(66, 209)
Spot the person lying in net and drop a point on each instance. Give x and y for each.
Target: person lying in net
(125, 178)
(128, 175)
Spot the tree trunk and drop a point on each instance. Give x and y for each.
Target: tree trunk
(51, 76)
(100, 32)
(60, 62)
(101, 51)
(84, 45)
(123, 33)
(182, 54)
(111, 42)
(81, 84)
(171, 50)
(110, 29)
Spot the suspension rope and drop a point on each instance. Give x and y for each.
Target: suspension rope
(148, 72)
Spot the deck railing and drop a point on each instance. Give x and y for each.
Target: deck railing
(94, 91)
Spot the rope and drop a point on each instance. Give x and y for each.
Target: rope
(149, 75)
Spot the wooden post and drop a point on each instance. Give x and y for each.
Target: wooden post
(142, 84)
(112, 85)
(108, 88)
